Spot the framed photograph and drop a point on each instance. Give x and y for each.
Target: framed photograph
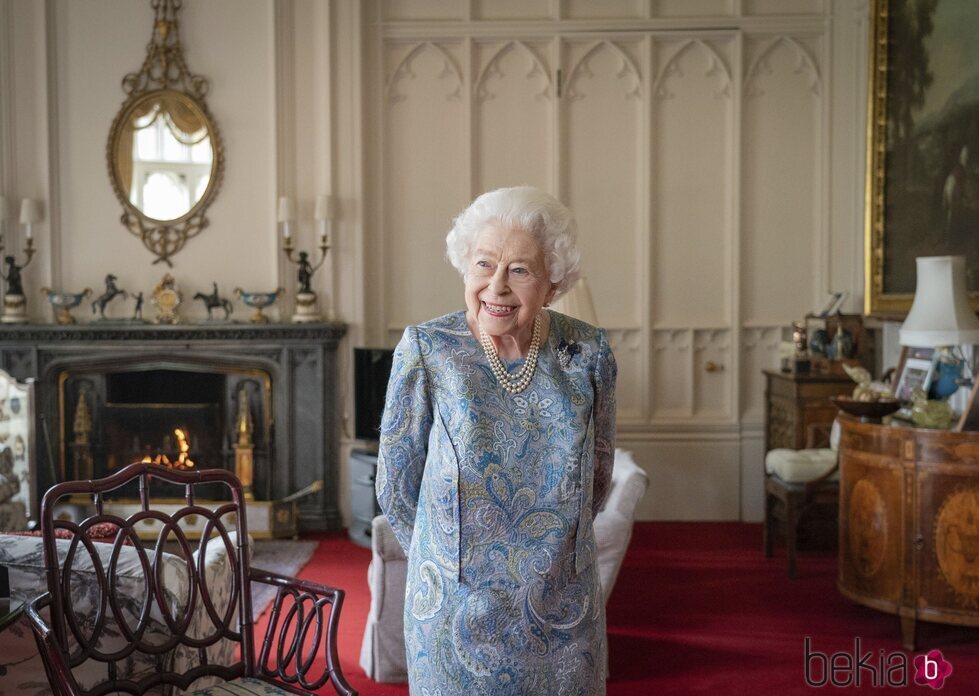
(922, 146)
(917, 371)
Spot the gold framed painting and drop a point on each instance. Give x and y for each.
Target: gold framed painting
(922, 196)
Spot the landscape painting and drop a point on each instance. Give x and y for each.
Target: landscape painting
(923, 156)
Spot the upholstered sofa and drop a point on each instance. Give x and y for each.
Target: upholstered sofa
(21, 668)
(382, 654)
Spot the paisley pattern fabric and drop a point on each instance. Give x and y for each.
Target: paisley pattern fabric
(492, 496)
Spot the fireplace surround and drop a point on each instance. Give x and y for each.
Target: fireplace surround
(106, 393)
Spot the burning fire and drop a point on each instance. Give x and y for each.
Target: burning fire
(183, 459)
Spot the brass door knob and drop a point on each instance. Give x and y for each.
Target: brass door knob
(712, 366)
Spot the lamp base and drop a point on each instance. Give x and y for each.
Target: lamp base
(14, 309)
(306, 309)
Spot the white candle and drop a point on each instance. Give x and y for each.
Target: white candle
(326, 207)
(287, 209)
(30, 212)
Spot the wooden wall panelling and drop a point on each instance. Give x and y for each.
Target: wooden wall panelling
(782, 135)
(629, 348)
(691, 155)
(602, 122)
(671, 386)
(426, 182)
(513, 97)
(712, 387)
(760, 346)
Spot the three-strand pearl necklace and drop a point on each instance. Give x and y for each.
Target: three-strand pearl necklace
(517, 382)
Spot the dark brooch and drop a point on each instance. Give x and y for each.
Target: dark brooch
(566, 350)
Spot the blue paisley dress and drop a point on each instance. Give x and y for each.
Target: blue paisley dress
(492, 497)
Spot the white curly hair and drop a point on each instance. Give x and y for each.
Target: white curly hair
(525, 208)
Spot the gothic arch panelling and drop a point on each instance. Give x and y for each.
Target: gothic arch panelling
(425, 181)
(691, 152)
(512, 112)
(782, 180)
(602, 158)
(404, 71)
(715, 65)
(581, 68)
(761, 65)
(535, 68)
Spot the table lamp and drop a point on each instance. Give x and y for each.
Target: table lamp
(577, 303)
(942, 318)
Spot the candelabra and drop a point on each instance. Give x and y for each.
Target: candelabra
(14, 302)
(306, 300)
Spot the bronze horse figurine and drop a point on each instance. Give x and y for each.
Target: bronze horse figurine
(110, 292)
(215, 300)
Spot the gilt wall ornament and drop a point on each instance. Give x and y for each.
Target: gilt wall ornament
(164, 154)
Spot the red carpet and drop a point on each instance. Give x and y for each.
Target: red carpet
(697, 609)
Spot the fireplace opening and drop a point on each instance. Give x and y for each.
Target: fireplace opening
(143, 411)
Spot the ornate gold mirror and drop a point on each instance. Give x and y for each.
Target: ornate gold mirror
(164, 152)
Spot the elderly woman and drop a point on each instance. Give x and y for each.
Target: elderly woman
(496, 452)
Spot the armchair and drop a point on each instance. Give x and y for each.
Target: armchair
(158, 634)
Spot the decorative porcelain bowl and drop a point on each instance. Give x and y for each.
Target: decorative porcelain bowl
(64, 302)
(867, 411)
(258, 301)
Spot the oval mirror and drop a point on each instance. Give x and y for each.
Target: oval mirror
(164, 150)
(163, 155)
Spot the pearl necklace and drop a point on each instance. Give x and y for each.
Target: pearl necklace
(515, 383)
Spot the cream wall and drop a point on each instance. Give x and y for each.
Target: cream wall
(297, 89)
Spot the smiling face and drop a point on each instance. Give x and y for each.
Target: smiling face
(507, 282)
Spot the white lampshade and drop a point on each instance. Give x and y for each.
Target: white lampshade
(577, 303)
(30, 211)
(940, 314)
(287, 209)
(326, 207)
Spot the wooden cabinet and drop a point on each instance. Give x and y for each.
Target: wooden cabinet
(794, 402)
(909, 523)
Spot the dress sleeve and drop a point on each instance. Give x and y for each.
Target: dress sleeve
(604, 414)
(403, 447)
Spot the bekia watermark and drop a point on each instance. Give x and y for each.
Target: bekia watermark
(880, 669)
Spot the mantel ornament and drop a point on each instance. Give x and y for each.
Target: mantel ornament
(164, 154)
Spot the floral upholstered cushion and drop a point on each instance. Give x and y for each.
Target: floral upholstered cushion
(24, 558)
(244, 686)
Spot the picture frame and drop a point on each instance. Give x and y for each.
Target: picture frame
(916, 370)
(922, 185)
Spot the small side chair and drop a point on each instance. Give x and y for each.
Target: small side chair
(158, 629)
(796, 480)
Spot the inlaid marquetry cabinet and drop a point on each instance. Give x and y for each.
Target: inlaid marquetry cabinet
(909, 523)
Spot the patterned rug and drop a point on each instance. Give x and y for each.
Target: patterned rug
(283, 556)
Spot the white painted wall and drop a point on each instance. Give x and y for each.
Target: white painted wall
(721, 217)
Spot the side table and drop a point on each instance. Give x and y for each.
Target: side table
(363, 500)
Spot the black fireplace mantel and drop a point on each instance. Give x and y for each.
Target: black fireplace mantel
(300, 359)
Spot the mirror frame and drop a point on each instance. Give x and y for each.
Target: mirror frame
(165, 70)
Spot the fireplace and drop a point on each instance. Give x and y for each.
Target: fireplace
(114, 416)
(109, 394)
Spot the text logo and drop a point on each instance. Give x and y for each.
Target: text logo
(931, 669)
(855, 668)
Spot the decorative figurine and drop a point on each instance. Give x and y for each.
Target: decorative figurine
(111, 292)
(138, 309)
(167, 299)
(325, 211)
(215, 300)
(801, 360)
(64, 302)
(14, 302)
(258, 301)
